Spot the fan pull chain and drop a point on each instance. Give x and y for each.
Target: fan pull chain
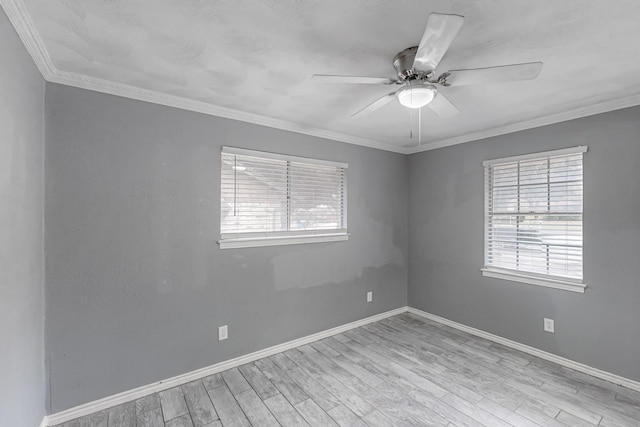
(419, 126)
(410, 123)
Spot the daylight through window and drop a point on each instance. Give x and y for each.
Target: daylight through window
(533, 218)
(270, 199)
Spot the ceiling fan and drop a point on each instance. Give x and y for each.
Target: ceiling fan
(416, 66)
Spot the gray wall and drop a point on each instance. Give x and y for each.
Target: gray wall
(22, 376)
(599, 328)
(136, 283)
(137, 286)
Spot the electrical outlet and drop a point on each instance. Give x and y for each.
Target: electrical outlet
(549, 325)
(369, 296)
(223, 333)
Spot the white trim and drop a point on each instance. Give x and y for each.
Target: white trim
(286, 157)
(24, 26)
(254, 242)
(130, 395)
(118, 89)
(534, 280)
(99, 85)
(564, 116)
(494, 269)
(552, 153)
(568, 363)
(19, 17)
(260, 235)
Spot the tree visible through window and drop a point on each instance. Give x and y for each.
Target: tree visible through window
(533, 215)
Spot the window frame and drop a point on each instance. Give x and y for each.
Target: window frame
(540, 279)
(285, 237)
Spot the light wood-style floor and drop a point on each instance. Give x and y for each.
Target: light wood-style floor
(399, 371)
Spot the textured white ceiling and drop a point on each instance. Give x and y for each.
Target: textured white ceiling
(258, 56)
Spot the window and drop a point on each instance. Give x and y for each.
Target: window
(533, 218)
(274, 199)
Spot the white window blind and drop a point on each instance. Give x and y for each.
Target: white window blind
(272, 198)
(533, 215)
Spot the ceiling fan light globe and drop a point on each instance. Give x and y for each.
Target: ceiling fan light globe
(417, 96)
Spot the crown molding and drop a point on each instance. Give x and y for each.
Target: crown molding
(576, 113)
(24, 26)
(21, 21)
(126, 91)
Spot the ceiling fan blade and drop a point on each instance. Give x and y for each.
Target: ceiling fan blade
(504, 73)
(378, 103)
(442, 106)
(329, 78)
(438, 36)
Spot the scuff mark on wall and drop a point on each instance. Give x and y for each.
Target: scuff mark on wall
(375, 235)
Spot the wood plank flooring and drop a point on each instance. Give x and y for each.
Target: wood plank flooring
(401, 371)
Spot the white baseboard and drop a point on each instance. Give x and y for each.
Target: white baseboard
(128, 396)
(607, 376)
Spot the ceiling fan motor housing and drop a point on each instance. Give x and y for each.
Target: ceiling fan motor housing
(403, 63)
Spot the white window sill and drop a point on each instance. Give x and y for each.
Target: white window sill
(534, 280)
(254, 242)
